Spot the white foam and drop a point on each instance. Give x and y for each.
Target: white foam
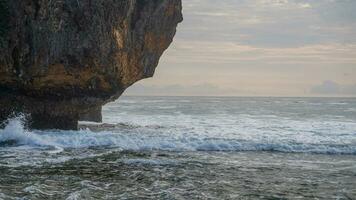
(75, 195)
(148, 162)
(299, 139)
(200, 125)
(14, 131)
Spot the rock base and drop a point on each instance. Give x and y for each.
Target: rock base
(47, 114)
(93, 115)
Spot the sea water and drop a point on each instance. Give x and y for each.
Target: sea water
(189, 148)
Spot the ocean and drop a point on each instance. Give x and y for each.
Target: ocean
(189, 148)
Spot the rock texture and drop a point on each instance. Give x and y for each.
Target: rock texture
(61, 60)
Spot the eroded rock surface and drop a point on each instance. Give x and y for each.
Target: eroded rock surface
(61, 60)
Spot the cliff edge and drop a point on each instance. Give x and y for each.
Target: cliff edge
(61, 60)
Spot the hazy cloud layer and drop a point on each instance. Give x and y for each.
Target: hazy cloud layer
(262, 47)
(333, 88)
(180, 90)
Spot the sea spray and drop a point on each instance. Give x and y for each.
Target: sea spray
(150, 139)
(14, 130)
(16, 133)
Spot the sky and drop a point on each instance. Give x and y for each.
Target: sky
(259, 48)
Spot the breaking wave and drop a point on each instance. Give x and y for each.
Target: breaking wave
(149, 138)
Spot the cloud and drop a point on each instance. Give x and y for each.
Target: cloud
(263, 47)
(204, 89)
(305, 5)
(329, 87)
(229, 52)
(270, 31)
(283, 4)
(276, 23)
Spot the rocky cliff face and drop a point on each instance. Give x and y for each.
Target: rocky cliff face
(61, 60)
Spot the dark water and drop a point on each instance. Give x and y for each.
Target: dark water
(189, 148)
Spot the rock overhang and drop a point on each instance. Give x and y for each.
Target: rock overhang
(61, 60)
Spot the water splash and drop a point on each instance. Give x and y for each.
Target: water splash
(15, 134)
(149, 138)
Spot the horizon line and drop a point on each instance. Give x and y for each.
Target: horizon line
(244, 96)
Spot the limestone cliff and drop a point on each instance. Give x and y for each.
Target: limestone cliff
(61, 60)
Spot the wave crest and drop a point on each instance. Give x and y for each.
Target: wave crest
(146, 138)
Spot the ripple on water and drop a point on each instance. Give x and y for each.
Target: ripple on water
(218, 149)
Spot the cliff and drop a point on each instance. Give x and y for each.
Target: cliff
(61, 60)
